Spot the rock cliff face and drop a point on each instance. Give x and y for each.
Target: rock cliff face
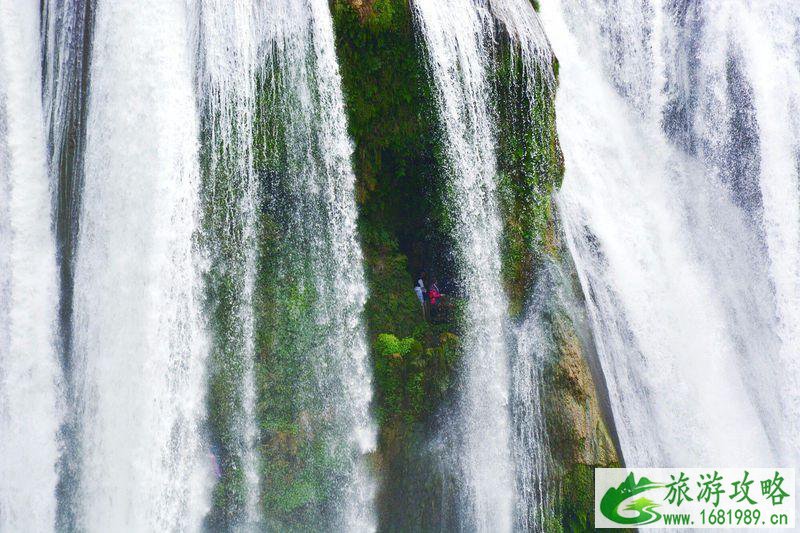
(402, 222)
(579, 426)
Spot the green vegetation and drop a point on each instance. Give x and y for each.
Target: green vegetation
(392, 121)
(292, 448)
(410, 380)
(531, 168)
(403, 228)
(577, 498)
(300, 451)
(224, 243)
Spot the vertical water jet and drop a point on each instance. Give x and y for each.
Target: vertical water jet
(139, 345)
(457, 36)
(229, 55)
(31, 400)
(314, 283)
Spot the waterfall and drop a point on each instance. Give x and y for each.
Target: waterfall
(30, 377)
(457, 41)
(681, 205)
(229, 49)
(530, 445)
(183, 344)
(139, 345)
(503, 462)
(66, 38)
(316, 262)
(526, 34)
(533, 85)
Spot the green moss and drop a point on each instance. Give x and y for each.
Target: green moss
(392, 305)
(224, 244)
(380, 15)
(411, 380)
(391, 118)
(384, 78)
(531, 169)
(386, 102)
(576, 503)
(577, 498)
(298, 448)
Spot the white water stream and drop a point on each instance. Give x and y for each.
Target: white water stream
(139, 344)
(30, 376)
(229, 59)
(682, 208)
(459, 36)
(317, 204)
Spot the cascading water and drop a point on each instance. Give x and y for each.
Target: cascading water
(681, 208)
(316, 264)
(30, 390)
(502, 471)
(525, 32)
(197, 256)
(139, 347)
(229, 47)
(457, 38)
(525, 106)
(66, 37)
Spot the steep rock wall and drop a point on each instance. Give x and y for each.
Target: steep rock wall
(393, 124)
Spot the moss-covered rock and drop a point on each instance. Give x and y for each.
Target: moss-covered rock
(392, 306)
(411, 380)
(578, 435)
(576, 425)
(390, 114)
(295, 462)
(531, 168)
(392, 120)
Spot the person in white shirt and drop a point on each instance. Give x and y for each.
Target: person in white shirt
(422, 294)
